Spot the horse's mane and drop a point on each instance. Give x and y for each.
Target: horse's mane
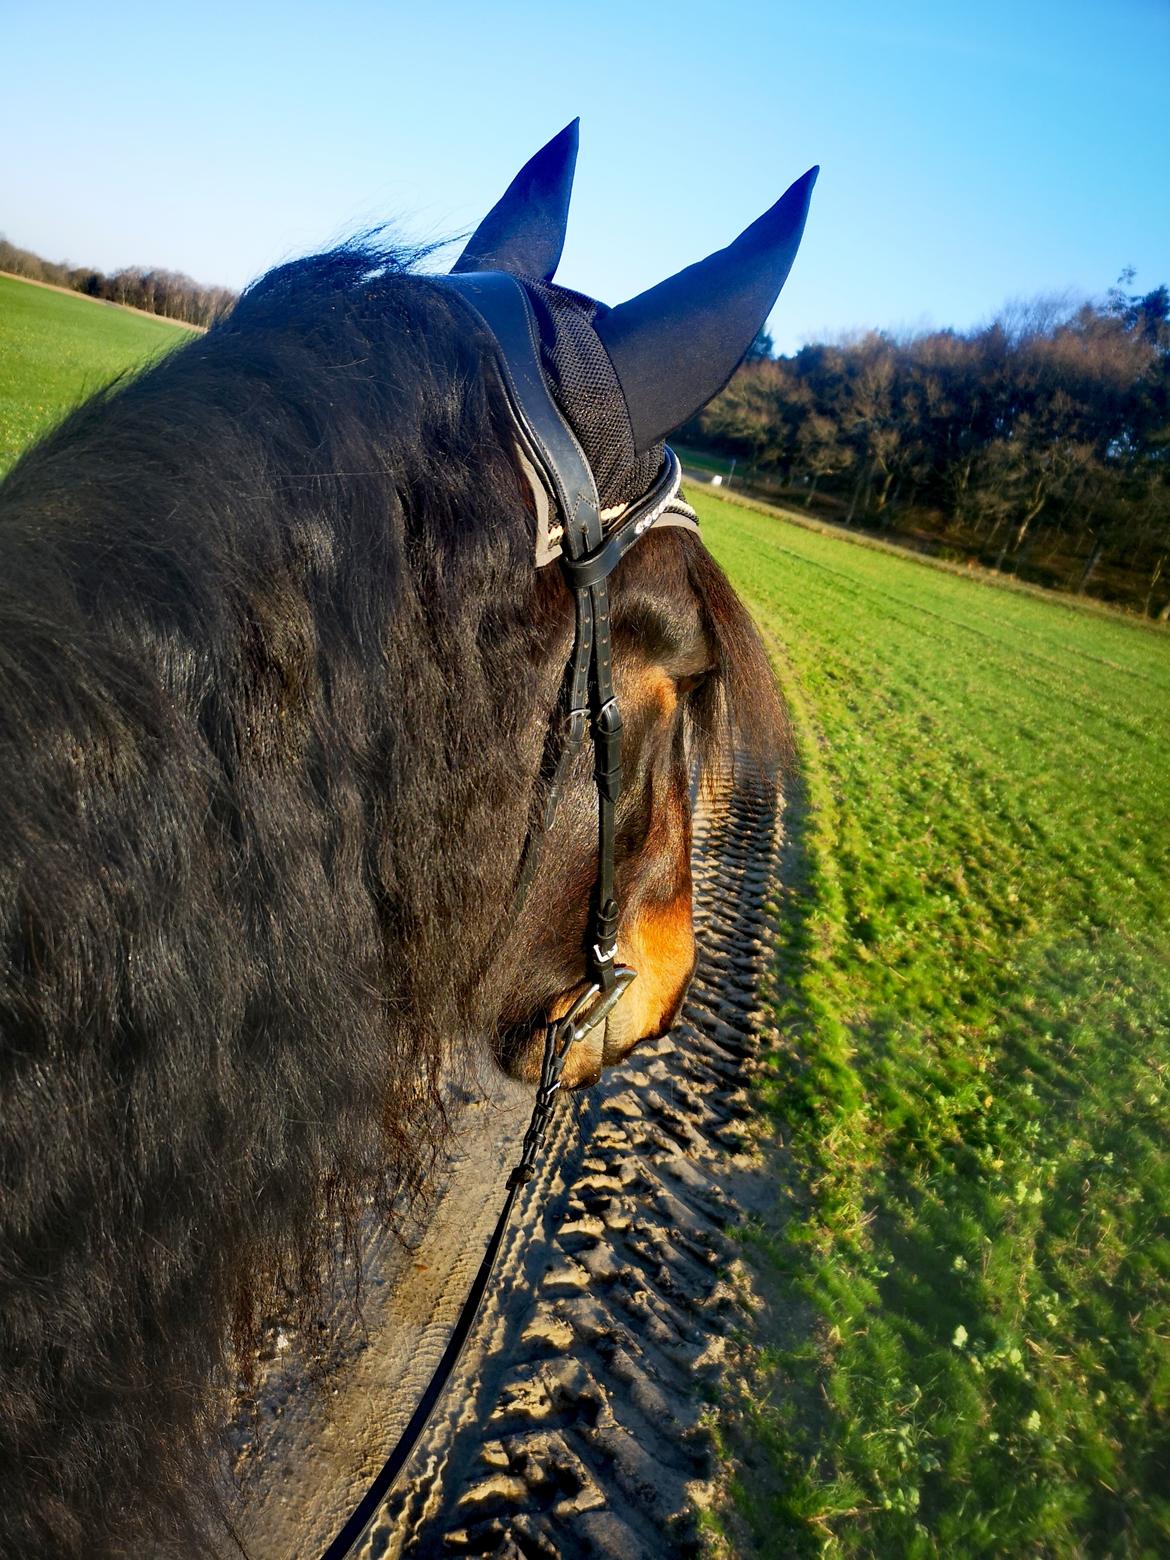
(268, 624)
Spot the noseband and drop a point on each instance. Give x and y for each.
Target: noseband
(588, 554)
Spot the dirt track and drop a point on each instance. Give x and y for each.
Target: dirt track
(575, 1424)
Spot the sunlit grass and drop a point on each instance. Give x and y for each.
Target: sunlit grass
(975, 994)
(56, 348)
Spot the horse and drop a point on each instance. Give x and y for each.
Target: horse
(278, 673)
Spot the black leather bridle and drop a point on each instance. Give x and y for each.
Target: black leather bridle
(588, 553)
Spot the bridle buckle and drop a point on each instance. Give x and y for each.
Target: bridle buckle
(591, 1008)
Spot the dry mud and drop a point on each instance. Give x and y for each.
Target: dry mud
(575, 1424)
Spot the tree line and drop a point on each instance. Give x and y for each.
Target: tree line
(151, 288)
(1039, 443)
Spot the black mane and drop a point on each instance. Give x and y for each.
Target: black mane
(247, 602)
(268, 623)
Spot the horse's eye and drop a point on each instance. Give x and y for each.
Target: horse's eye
(686, 685)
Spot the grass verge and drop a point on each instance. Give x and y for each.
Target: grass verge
(57, 348)
(978, 999)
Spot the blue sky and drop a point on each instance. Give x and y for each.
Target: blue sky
(969, 154)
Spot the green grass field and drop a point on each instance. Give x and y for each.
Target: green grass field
(57, 348)
(967, 1277)
(970, 1336)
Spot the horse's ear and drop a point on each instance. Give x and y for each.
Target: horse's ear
(674, 346)
(524, 232)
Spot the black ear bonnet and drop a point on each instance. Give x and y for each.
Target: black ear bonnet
(624, 377)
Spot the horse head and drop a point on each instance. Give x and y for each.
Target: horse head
(686, 659)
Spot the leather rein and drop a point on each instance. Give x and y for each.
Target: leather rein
(588, 554)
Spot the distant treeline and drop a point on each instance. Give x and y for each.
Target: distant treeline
(1039, 444)
(168, 293)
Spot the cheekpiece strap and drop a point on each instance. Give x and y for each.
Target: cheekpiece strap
(551, 455)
